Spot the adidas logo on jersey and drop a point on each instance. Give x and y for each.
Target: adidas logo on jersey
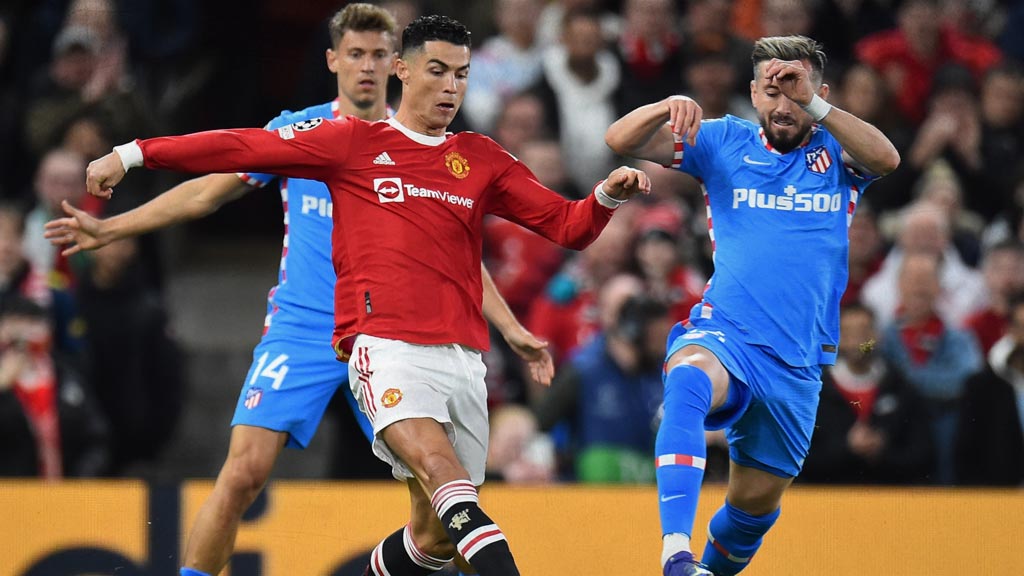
(383, 159)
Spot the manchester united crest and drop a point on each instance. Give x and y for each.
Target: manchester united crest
(457, 165)
(391, 398)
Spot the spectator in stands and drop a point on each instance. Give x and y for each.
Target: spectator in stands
(553, 15)
(909, 56)
(58, 178)
(952, 133)
(925, 228)
(51, 426)
(710, 79)
(1002, 135)
(519, 453)
(610, 391)
(940, 188)
(135, 364)
(990, 439)
(505, 64)
(706, 30)
(1003, 270)
(867, 251)
(579, 87)
(839, 24)
(872, 427)
(523, 119)
(18, 277)
(935, 357)
(861, 91)
(787, 18)
(649, 52)
(566, 315)
(667, 276)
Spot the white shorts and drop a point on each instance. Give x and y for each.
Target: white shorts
(394, 380)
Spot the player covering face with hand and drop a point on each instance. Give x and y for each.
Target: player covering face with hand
(409, 201)
(780, 197)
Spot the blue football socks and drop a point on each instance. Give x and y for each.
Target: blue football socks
(733, 538)
(680, 448)
(191, 572)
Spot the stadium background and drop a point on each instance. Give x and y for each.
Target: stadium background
(195, 65)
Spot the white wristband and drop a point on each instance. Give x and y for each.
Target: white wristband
(818, 108)
(130, 154)
(604, 199)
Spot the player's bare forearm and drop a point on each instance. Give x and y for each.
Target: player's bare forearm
(532, 350)
(643, 133)
(189, 200)
(495, 309)
(864, 143)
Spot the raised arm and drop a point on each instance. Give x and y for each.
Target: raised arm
(863, 145)
(525, 344)
(189, 200)
(650, 131)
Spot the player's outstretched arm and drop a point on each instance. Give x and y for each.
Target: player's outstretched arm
(525, 344)
(650, 131)
(189, 200)
(862, 143)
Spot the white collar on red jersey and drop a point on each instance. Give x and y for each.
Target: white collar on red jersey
(416, 136)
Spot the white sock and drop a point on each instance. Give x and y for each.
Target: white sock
(672, 544)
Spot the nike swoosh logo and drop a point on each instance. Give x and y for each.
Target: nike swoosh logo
(749, 160)
(667, 498)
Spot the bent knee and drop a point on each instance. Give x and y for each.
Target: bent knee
(436, 468)
(245, 475)
(698, 357)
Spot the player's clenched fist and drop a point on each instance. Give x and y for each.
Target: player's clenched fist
(102, 175)
(624, 182)
(684, 116)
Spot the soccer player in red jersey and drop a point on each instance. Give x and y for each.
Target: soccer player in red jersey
(409, 202)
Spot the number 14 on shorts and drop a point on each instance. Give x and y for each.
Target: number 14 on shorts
(276, 370)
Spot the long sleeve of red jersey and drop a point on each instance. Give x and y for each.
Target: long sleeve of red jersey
(519, 197)
(311, 149)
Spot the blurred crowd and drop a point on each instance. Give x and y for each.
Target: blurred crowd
(929, 386)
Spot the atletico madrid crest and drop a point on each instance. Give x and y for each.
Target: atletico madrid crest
(818, 160)
(252, 397)
(457, 165)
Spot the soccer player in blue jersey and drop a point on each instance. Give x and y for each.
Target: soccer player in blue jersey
(779, 198)
(294, 371)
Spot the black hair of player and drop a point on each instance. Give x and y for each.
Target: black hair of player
(433, 27)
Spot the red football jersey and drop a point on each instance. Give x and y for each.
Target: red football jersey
(408, 212)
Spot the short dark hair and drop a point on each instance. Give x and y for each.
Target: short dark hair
(433, 27)
(791, 48)
(360, 17)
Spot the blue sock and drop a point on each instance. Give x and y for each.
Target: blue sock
(680, 449)
(733, 538)
(191, 572)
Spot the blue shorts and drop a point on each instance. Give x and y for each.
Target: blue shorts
(770, 426)
(289, 385)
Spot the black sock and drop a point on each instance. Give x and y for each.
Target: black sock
(398, 555)
(477, 538)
